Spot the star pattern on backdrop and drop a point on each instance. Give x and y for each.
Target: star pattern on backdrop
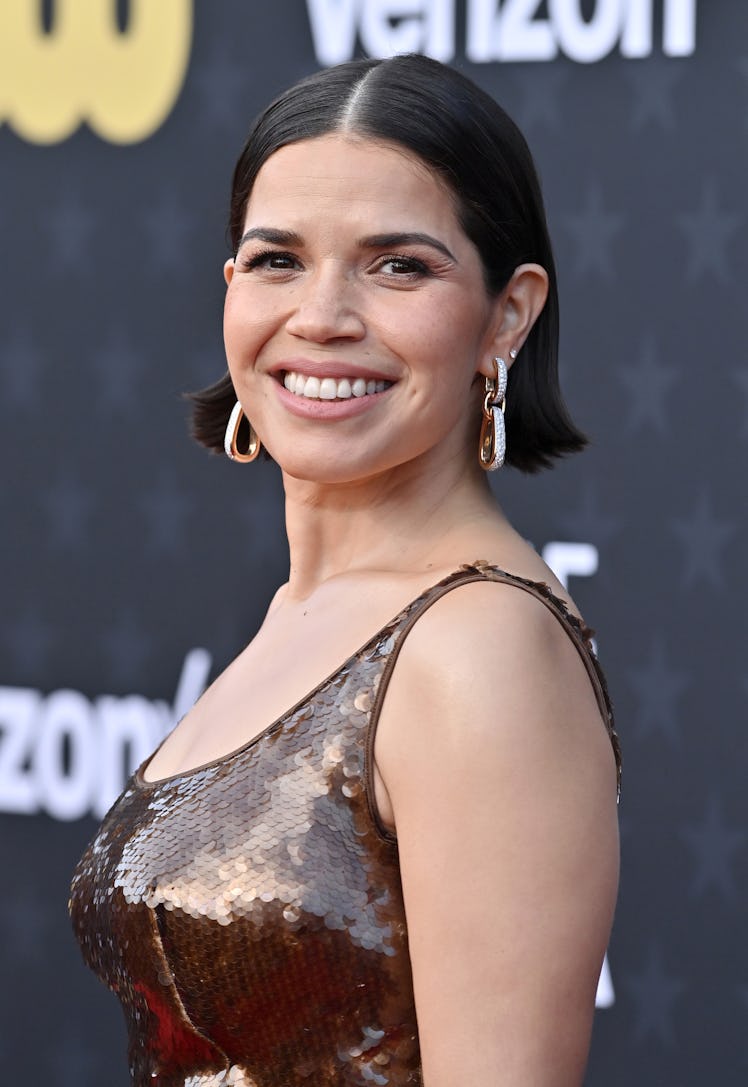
(117, 368)
(653, 83)
(715, 848)
(626, 828)
(205, 365)
(168, 227)
(743, 68)
(125, 644)
(68, 505)
(72, 1062)
(647, 383)
(22, 365)
(26, 924)
(540, 104)
(654, 993)
(29, 638)
(708, 231)
(740, 377)
(703, 537)
(742, 991)
(591, 518)
(71, 227)
(165, 507)
(593, 229)
(658, 686)
(221, 84)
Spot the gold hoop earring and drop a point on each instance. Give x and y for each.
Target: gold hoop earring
(492, 446)
(232, 433)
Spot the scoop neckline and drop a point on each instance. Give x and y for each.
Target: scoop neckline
(146, 783)
(477, 568)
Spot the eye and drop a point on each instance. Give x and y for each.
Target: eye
(272, 259)
(402, 266)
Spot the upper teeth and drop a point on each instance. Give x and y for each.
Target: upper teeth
(330, 388)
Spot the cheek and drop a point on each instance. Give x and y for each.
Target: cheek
(449, 341)
(246, 327)
(419, 333)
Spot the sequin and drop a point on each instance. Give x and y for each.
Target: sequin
(249, 913)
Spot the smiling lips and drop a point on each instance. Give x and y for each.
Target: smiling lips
(330, 388)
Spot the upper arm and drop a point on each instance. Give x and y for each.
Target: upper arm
(503, 787)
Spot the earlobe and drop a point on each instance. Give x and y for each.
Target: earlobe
(228, 270)
(520, 304)
(487, 365)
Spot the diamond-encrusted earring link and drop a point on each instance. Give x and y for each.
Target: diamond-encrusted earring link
(492, 446)
(232, 433)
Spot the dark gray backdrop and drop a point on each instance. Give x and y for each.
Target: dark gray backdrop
(124, 548)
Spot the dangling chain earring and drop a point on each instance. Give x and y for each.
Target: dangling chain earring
(492, 448)
(232, 432)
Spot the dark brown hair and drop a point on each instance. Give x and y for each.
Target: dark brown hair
(463, 135)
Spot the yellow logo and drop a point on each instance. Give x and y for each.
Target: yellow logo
(123, 84)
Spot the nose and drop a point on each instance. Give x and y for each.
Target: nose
(326, 308)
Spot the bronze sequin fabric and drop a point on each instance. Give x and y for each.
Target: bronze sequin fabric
(248, 913)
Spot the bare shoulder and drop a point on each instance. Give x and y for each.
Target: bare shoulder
(492, 614)
(489, 657)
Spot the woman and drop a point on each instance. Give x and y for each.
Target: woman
(408, 877)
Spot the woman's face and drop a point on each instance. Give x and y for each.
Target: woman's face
(356, 315)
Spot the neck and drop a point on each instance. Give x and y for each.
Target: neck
(403, 520)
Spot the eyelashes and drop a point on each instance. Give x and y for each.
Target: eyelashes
(404, 266)
(263, 258)
(408, 265)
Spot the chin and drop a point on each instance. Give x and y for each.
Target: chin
(330, 467)
(324, 475)
(346, 460)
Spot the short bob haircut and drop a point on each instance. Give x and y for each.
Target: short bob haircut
(463, 136)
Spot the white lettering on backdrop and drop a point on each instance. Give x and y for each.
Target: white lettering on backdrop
(501, 30)
(67, 756)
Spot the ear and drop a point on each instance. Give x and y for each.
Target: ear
(228, 270)
(517, 309)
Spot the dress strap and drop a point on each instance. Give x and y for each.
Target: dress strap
(577, 631)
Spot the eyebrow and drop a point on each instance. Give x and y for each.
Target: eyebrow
(271, 235)
(372, 241)
(387, 241)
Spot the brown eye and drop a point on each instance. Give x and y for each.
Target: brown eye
(402, 266)
(273, 259)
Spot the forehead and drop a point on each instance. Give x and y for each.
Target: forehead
(351, 176)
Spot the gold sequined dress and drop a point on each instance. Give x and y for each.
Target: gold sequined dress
(248, 913)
